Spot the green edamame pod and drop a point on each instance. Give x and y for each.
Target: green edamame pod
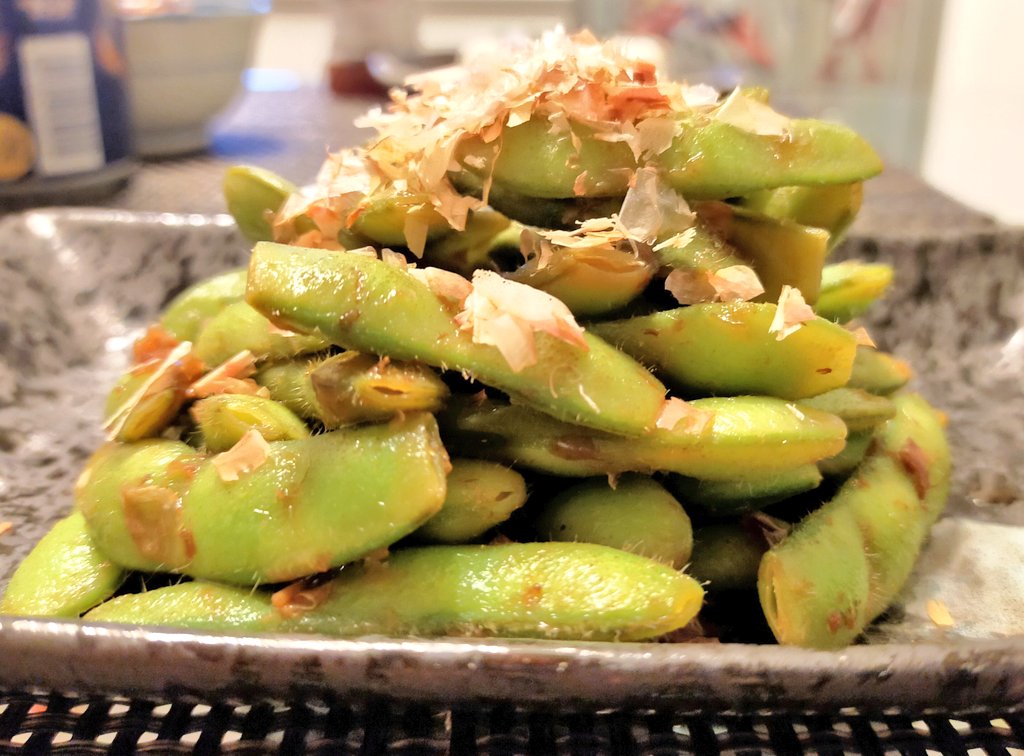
(831, 207)
(192, 309)
(471, 249)
(63, 576)
(268, 515)
(637, 515)
(698, 250)
(253, 196)
(859, 409)
(353, 387)
(238, 326)
(715, 160)
(726, 557)
(744, 492)
(754, 434)
(726, 348)
(846, 461)
(590, 281)
(709, 159)
(364, 304)
(536, 211)
(781, 253)
(224, 418)
(848, 289)
(154, 411)
(197, 605)
(383, 217)
(878, 372)
(480, 496)
(547, 590)
(843, 564)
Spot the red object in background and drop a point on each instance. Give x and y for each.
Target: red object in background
(353, 77)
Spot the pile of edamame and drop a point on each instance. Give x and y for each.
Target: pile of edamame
(555, 354)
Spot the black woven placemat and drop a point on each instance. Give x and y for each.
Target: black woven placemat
(66, 724)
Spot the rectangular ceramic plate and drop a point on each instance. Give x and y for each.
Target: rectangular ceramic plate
(77, 285)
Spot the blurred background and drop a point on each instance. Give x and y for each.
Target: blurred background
(934, 84)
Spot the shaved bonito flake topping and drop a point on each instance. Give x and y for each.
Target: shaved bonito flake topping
(443, 283)
(750, 115)
(651, 207)
(6, 527)
(233, 370)
(863, 338)
(565, 79)
(251, 451)
(507, 315)
(177, 368)
(689, 286)
(791, 314)
(300, 597)
(938, 613)
(675, 411)
(735, 282)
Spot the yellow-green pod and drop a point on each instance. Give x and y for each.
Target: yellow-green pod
(589, 280)
(726, 557)
(480, 496)
(727, 348)
(223, 419)
(63, 576)
(848, 289)
(757, 434)
(743, 492)
(859, 409)
(831, 207)
(847, 460)
(636, 515)
(384, 217)
(470, 249)
(564, 591)
(879, 372)
(844, 563)
(193, 308)
(239, 327)
(781, 252)
(153, 412)
(253, 196)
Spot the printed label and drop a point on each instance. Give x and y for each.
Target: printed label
(60, 95)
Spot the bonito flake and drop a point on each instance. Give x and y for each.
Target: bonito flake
(507, 315)
(791, 314)
(678, 414)
(751, 115)
(249, 454)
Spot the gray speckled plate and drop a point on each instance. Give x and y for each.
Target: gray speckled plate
(76, 285)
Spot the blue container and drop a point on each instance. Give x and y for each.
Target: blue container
(65, 134)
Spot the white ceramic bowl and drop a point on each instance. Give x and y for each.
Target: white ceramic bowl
(183, 70)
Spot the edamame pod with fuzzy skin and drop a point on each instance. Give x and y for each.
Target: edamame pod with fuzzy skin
(843, 564)
(223, 419)
(846, 461)
(288, 509)
(383, 218)
(744, 492)
(859, 409)
(726, 557)
(566, 591)
(192, 309)
(782, 253)
(253, 196)
(540, 212)
(759, 435)
(698, 249)
(878, 372)
(708, 159)
(637, 515)
(365, 304)
(353, 387)
(239, 327)
(480, 496)
(848, 289)
(591, 281)
(63, 576)
(471, 249)
(153, 412)
(727, 348)
(831, 207)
